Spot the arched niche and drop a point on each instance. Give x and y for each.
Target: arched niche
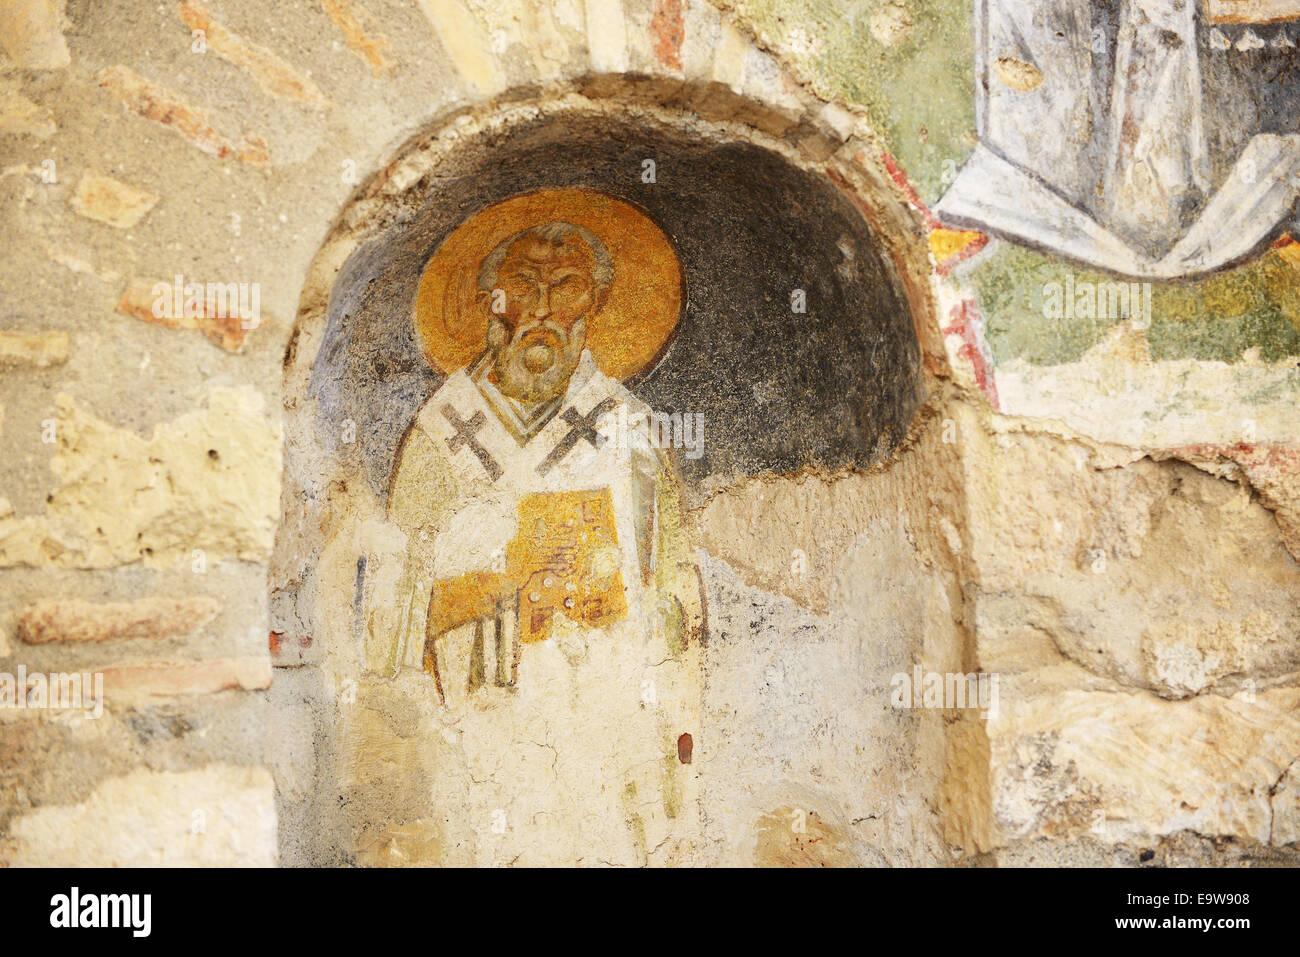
(797, 343)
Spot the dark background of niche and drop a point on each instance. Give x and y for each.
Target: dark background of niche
(835, 386)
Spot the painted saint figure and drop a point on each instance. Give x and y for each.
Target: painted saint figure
(545, 586)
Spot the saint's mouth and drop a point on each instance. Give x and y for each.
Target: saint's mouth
(538, 357)
(541, 334)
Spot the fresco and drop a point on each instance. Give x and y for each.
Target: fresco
(545, 570)
(528, 380)
(524, 435)
(1153, 139)
(793, 346)
(1240, 79)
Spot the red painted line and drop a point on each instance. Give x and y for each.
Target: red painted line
(965, 318)
(900, 179)
(668, 32)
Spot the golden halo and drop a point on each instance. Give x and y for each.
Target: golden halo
(631, 329)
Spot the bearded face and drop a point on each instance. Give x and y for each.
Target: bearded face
(537, 340)
(534, 363)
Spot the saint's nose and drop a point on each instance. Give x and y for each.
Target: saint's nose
(542, 307)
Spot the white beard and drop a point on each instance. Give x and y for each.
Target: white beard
(518, 382)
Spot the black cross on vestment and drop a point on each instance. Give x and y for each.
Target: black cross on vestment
(465, 435)
(584, 427)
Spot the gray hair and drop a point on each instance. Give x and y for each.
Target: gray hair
(555, 233)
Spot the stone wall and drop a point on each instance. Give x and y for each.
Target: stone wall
(1111, 528)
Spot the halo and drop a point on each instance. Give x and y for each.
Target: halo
(627, 334)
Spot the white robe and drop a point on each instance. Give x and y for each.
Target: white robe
(568, 748)
(1109, 152)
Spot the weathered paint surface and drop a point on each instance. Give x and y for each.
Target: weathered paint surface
(1103, 513)
(909, 63)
